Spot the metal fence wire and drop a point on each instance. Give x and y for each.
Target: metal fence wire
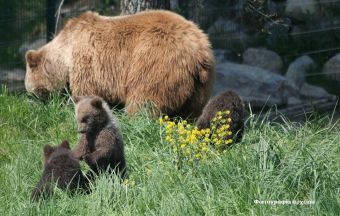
(231, 25)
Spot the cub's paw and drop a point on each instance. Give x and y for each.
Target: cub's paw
(88, 159)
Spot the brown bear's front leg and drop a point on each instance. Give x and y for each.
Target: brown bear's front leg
(42, 188)
(134, 104)
(82, 148)
(93, 158)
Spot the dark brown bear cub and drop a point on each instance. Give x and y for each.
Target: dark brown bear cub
(101, 143)
(227, 100)
(62, 168)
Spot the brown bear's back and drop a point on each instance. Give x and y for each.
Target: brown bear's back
(153, 56)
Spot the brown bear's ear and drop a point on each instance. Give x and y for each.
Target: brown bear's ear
(76, 99)
(33, 58)
(65, 144)
(48, 150)
(96, 102)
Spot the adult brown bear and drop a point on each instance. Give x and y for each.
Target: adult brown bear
(153, 56)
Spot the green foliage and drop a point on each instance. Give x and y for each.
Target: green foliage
(273, 162)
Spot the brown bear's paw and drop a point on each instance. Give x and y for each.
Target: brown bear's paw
(88, 159)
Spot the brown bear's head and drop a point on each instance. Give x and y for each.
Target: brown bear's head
(44, 72)
(92, 113)
(50, 151)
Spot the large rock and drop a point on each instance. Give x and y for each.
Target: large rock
(332, 67)
(13, 79)
(263, 58)
(219, 55)
(298, 9)
(314, 92)
(32, 45)
(298, 69)
(223, 55)
(15, 75)
(223, 26)
(255, 85)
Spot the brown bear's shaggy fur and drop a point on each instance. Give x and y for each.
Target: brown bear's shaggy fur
(60, 167)
(101, 144)
(153, 56)
(227, 100)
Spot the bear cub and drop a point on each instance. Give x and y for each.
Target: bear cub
(101, 143)
(226, 100)
(62, 168)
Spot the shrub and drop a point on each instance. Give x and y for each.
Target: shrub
(189, 145)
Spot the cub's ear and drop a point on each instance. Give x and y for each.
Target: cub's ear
(48, 150)
(76, 99)
(65, 144)
(96, 102)
(33, 58)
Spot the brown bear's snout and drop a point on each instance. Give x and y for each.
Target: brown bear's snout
(42, 93)
(81, 130)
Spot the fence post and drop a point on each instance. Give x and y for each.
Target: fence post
(50, 19)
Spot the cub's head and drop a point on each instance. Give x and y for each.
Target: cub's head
(92, 113)
(50, 151)
(45, 72)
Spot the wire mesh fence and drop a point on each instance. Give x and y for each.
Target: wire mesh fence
(26, 25)
(231, 25)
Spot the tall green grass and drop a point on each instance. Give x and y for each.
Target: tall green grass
(273, 162)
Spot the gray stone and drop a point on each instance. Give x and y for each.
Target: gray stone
(219, 55)
(294, 101)
(332, 67)
(223, 55)
(14, 75)
(223, 26)
(308, 91)
(13, 79)
(32, 45)
(263, 58)
(255, 85)
(298, 69)
(298, 9)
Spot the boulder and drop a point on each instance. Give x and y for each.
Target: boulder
(298, 9)
(294, 101)
(298, 69)
(223, 26)
(332, 67)
(223, 55)
(308, 91)
(263, 58)
(14, 75)
(31, 45)
(255, 85)
(13, 79)
(219, 55)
